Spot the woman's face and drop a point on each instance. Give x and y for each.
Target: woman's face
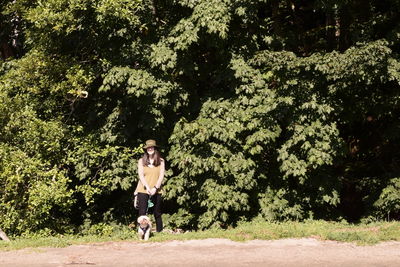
(150, 150)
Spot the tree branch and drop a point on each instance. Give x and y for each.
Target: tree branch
(4, 236)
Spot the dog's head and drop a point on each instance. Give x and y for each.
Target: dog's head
(143, 221)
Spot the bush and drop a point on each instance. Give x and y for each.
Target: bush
(388, 204)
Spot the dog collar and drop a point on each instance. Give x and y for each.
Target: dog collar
(144, 229)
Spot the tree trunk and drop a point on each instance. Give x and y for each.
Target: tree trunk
(276, 21)
(3, 236)
(6, 51)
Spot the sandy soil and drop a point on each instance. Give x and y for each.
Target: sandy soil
(209, 252)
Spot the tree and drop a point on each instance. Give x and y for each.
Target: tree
(273, 109)
(4, 236)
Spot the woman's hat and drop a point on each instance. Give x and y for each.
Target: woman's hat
(150, 143)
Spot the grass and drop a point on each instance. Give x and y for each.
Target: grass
(361, 234)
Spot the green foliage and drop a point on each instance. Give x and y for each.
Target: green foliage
(265, 109)
(33, 194)
(178, 220)
(292, 116)
(55, 111)
(139, 86)
(275, 206)
(100, 170)
(34, 191)
(388, 203)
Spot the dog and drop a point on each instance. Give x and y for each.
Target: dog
(144, 228)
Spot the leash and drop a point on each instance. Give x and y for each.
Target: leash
(150, 204)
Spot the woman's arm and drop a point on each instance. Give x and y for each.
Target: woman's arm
(137, 187)
(154, 190)
(141, 176)
(161, 176)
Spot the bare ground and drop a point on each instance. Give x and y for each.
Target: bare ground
(209, 252)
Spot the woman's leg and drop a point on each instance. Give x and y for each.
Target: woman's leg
(142, 199)
(157, 200)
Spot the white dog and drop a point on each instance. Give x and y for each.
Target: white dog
(144, 228)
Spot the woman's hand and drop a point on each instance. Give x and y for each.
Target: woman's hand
(148, 190)
(153, 191)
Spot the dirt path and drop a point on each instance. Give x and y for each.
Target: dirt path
(209, 252)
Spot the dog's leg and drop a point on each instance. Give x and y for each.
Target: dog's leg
(147, 234)
(140, 233)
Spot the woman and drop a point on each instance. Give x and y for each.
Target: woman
(151, 170)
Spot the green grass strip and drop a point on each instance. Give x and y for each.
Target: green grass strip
(360, 234)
